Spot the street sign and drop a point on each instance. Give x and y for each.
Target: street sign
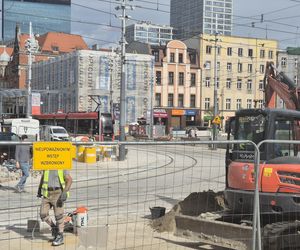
(217, 120)
(52, 155)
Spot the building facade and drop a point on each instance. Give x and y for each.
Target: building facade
(84, 75)
(149, 33)
(45, 16)
(177, 85)
(192, 17)
(239, 71)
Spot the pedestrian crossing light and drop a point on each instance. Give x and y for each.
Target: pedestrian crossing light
(217, 120)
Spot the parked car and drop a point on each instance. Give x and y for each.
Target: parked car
(8, 151)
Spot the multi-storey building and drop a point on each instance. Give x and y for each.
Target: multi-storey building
(238, 66)
(192, 17)
(45, 15)
(146, 32)
(177, 85)
(85, 75)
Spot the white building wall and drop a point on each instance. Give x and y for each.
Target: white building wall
(75, 79)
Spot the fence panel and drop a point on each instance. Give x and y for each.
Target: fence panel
(165, 195)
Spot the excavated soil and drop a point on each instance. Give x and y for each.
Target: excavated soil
(193, 205)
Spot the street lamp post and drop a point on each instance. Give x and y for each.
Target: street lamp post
(31, 46)
(214, 146)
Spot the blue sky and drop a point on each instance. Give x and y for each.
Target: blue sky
(281, 19)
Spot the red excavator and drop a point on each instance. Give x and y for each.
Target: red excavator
(279, 180)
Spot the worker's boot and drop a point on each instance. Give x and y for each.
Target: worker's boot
(59, 240)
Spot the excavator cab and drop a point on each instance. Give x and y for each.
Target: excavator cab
(279, 166)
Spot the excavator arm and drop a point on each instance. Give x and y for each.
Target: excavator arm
(279, 84)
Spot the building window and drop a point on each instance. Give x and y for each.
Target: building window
(249, 85)
(238, 104)
(260, 104)
(250, 68)
(262, 53)
(240, 67)
(249, 103)
(193, 79)
(218, 82)
(158, 77)
(208, 49)
(296, 62)
(228, 83)
(180, 100)
(172, 57)
(296, 80)
(229, 51)
(157, 99)
(250, 52)
(170, 100)
(240, 52)
(283, 61)
(218, 65)
(239, 84)
(219, 50)
(261, 85)
(262, 68)
(193, 101)
(270, 54)
(207, 65)
(228, 104)
(180, 58)
(181, 78)
(171, 78)
(229, 67)
(206, 103)
(207, 82)
(193, 58)
(155, 53)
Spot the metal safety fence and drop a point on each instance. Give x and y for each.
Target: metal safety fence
(164, 195)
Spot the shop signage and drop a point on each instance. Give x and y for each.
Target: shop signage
(160, 113)
(190, 112)
(177, 112)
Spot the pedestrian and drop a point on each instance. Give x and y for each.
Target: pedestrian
(54, 190)
(23, 157)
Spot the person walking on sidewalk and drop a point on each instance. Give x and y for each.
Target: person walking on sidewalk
(54, 190)
(22, 157)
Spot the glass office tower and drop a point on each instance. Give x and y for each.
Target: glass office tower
(192, 17)
(45, 15)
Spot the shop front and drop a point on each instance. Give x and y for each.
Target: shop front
(160, 117)
(190, 117)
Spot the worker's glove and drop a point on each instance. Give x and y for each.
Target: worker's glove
(62, 198)
(39, 193)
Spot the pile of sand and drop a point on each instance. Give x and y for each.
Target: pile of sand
(193, 205)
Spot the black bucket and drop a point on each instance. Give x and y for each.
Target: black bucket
(157, 212)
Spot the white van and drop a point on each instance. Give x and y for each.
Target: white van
(54, 133)
(22, 126)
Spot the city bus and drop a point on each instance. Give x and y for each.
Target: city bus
(82, 124)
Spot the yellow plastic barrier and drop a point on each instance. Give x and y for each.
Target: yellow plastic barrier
(90, 155)
(80, 156)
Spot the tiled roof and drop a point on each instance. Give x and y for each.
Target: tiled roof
(57, 42)
(62, 42)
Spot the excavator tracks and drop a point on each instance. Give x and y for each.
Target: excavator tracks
(282, 235)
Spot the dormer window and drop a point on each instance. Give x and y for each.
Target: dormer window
(55, 48)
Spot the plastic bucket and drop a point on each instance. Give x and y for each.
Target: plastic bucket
(157, 212)
(80, 153)
(90, 155)
(80, 217)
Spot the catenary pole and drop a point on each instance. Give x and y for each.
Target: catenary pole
(123, 7)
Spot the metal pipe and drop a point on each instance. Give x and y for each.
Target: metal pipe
(29, 71)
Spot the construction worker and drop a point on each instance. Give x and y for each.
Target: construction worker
(54, 190)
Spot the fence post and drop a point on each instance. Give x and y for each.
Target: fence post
(256, 235)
